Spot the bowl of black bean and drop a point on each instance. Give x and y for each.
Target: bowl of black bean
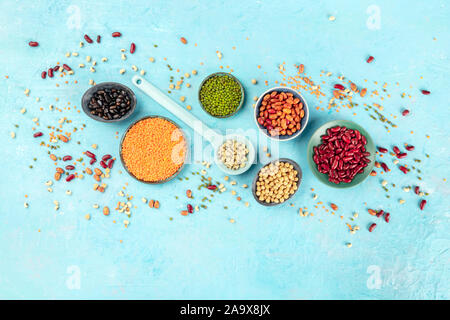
(108, 102)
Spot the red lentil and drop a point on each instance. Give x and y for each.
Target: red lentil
(149, 151)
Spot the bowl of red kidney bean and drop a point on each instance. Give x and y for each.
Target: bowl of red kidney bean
(281, 113)
(108, 102)
(341, 154)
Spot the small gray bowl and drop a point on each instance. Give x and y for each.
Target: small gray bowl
(303, 121)
(176, 172)
(222, 74)
(107, 85)
(299, 175)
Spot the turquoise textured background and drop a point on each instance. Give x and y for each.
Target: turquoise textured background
(268, 253)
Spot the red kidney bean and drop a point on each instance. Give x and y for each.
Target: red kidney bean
(416, 190)
(70, 177)
(132, 48)
(384, 166)
(106, 157)
(403, 169)
(66, 67)
(33, 43)
(55, 68)
(370, 59)
(339, 86)
(110, 163)
(92, 161)
(409, 148)
(99, 39)
(70, 167)
(341, 155)
(425, 92)
(67, 158)
(379, 213)
(103, 164)
(116, 34)
(401, 155)
(87, 38)
(405, 112)
(396, 149)
(387, 217)
(422, 204)
(372, 226)
(44, 74)
(38, 134)
(190, 209)
(50, 73)
(89, 154)
(212, 187)
(382, 150)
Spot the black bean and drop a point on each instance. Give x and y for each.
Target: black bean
(110, 103)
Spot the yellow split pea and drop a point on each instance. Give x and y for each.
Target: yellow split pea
(153, 149)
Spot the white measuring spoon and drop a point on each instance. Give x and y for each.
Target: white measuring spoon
(213, 137)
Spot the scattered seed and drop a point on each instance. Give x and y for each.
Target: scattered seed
(88, 39)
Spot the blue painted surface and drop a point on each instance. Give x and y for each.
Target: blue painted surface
(268, 252)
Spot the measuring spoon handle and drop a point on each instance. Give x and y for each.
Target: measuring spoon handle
(174, 108)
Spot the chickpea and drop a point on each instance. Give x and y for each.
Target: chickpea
(276, 182)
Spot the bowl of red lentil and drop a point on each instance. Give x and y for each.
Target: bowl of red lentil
(153, 150)
(281, 113)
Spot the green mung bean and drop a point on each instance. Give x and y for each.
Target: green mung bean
(220, 95)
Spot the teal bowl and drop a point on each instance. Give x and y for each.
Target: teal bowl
(316, 141)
